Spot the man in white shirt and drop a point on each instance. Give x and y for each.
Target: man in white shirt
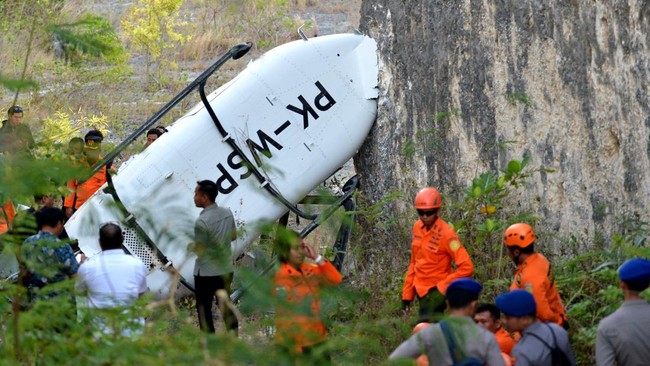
(113, 280)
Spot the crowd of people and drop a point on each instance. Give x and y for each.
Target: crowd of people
(534, 327)
(525, 326)
(47, 257)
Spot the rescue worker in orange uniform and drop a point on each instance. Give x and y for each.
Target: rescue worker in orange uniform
(298, 323)
(82, 191)
(434, 246)
(534, 274)
(488, 316)
(7, 214)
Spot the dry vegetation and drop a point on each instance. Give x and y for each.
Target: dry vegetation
(124, 93)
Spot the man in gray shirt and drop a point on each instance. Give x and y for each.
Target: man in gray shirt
(472, 340)
(624, 336)
(213, 270)
(541, 344)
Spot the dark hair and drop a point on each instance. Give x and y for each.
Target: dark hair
(460, 298)
(495, 313)
(76, 141)
(162, 129)
(49, 216)
(527, 250)
(284, 240)
(210, 188)
(154, 131)
(14, 109)
(637, 286)
(110, 236)
(95, 135)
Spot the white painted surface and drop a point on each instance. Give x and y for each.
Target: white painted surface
(335, 76)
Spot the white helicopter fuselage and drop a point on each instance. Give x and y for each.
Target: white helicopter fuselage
(304, 108)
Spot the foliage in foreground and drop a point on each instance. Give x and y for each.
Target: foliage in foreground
(363, 314)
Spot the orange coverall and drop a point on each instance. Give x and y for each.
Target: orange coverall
(431, 254)
(8, 213)
(86, 189)
(536, 276)
(295, 328)
(505, 341)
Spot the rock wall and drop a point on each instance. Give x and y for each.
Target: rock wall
(468, 85)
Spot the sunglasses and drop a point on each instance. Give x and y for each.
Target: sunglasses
(16, 109)
(427, 212)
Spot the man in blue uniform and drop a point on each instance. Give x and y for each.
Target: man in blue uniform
(624, 336)
(541, 344)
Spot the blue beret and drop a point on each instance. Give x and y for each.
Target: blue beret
(466, 284)
(516, 303)
(633, 270)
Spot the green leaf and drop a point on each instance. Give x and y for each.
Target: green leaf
(14, 84)
(514, 166)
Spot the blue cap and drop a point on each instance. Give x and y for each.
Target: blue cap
(634, 270)
(466, 284)
(516, 303)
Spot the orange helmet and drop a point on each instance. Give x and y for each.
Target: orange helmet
(420, 326)
(520, 234)
(428, 198)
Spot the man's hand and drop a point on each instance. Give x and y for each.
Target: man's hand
(309, 251)
(406, 307)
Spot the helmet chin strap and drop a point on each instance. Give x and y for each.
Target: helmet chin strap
(515, 258)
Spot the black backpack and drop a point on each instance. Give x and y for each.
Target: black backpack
(558, 357)
(457, 355)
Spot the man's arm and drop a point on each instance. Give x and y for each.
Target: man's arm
(69, 201)
(233, 228)
(605, 355)
(408, 290)
(535, 279)
(200, 237)
(494, 357)
(80, 284)
(464, 265)
(411, 348)
(142, 275)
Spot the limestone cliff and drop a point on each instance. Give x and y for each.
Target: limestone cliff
(467, 85)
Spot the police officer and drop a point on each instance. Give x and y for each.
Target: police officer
(472, 341)
(624, 336)
(434, 246)
(538, 340)
(534, 273)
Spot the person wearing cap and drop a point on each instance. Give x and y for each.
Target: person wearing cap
(15, 137)
(473, 341)
(434, 247)
(81, 191)
(624, 336)
(534, 273)
(538, 339)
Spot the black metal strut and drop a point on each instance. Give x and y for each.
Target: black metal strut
(234, 53)
(260, 178)
(342, 238)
